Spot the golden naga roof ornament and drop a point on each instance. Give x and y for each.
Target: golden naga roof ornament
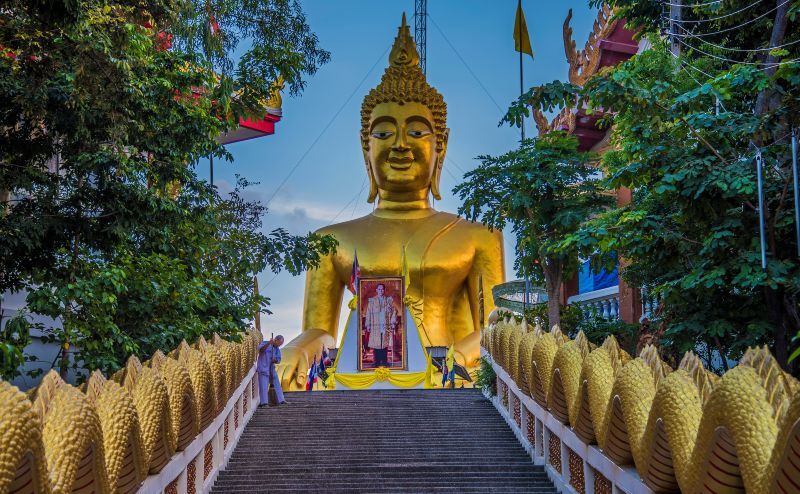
(584, 64)
(275, 100)
(565, 120)
(404, 82)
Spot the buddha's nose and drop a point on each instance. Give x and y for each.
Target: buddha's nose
(400, 142)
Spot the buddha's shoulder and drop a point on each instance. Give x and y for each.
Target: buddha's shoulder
(475, 229)
(457, 225)
(347, 228)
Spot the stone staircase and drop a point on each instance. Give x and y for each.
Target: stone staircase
(381, 441)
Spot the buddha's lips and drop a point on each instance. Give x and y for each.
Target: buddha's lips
(400, 163)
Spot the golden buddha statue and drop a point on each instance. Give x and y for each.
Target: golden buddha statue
(404, 139)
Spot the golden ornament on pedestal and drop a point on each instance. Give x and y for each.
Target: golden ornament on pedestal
(404, 139)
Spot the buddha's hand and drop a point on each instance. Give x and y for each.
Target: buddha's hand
(467, 350)
(293, 369)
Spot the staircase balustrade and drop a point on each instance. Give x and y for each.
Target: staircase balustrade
(168, 425)
(601, 421)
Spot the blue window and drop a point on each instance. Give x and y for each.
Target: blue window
(589, 281)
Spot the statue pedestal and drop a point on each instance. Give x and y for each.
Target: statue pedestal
(348, 376)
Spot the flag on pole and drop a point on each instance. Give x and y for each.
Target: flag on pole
(322, 367)
(354, 275)
(325, 360)
(407, 280)
(312, 375)
(522, 42)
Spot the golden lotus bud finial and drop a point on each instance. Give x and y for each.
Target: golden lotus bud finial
(404, 51)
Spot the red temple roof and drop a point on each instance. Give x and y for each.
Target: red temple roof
(609, 44)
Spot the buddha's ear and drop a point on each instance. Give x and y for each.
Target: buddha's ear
(437, 172)
(373, 185)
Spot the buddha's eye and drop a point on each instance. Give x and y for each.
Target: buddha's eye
(382, 134)
(419, 133)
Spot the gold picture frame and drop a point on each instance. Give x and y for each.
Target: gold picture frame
(382, 339)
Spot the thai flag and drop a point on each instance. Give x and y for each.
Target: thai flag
(325, 361)
(312, 375)
(354, 275)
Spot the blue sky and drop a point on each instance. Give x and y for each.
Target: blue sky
(329, 183)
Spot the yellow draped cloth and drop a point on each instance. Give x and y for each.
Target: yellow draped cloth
(365, 380)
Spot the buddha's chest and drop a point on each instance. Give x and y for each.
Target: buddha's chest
(437, 259)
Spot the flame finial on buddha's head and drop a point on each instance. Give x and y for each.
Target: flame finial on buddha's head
(404, 51)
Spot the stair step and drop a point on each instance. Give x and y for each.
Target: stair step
(412, 441)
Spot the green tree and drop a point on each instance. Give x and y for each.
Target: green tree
(686, 133)
(544, 190)
(105, 108)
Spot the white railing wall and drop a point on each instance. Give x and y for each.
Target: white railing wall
(194, 469)
(572, 465)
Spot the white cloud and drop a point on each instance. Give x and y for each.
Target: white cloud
(304, 209)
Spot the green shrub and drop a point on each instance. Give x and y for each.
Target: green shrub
(486, 378)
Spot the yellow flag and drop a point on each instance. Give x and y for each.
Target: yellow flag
(522, 42)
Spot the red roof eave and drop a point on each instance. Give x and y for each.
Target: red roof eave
(251, 129)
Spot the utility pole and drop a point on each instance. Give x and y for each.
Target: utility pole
(675, 17)
(421, 31)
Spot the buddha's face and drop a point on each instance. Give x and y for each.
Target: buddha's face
(402, 146)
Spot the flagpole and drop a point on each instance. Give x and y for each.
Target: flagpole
(521, 86)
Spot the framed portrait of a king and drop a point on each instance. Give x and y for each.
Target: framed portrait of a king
(381, 324)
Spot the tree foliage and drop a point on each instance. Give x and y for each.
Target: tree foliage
(686, 133)
(105, 108)
(544, 190)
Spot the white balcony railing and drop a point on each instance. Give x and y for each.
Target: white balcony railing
(605, 303)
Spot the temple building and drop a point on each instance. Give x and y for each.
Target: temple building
(609, 44)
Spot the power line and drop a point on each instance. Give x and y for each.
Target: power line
(730, 60)
(465, 64)
(268, 283)
(693, 5)
(355, 204)
(765, 146)
(335, 115)
(687, 64)
(458, 167)
(275, 276)
(743, 50)
(452, 175)
(730, 28)
(363, 183)
(700, 21)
